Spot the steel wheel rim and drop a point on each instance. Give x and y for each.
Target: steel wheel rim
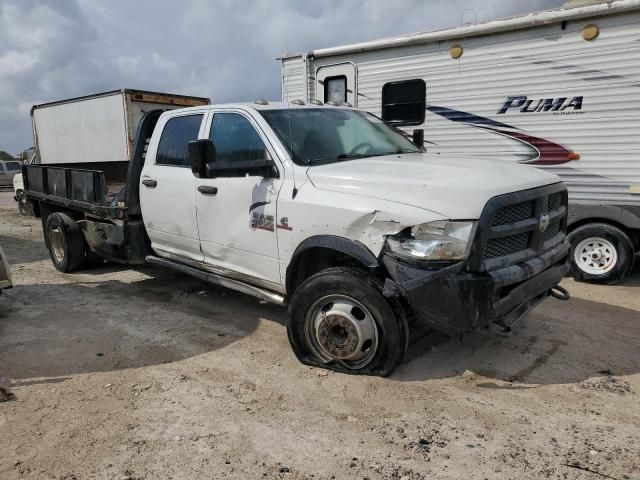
(56, 241)
(595, 255)
(340, 329)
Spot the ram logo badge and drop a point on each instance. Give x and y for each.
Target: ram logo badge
(543, 223)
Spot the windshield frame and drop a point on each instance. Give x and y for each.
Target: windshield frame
(405, 145)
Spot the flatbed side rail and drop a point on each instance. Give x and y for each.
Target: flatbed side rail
(81, 189)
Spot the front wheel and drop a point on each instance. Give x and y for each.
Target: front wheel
(600, 253)
(339, 319)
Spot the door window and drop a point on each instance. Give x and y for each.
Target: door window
(404, 103)
(335, 89)
(235, 139)
(177, 133)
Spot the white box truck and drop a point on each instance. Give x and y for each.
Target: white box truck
(556, 89)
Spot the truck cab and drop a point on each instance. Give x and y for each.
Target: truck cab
(335, 214)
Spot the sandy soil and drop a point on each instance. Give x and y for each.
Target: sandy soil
(147, 374)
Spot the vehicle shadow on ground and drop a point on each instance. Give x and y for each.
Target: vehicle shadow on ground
(55, 330)
(560, 342)
(29, 250)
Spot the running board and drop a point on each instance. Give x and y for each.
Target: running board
(215, 279)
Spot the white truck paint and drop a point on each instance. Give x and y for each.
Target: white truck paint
(528, 89)
(259, 206)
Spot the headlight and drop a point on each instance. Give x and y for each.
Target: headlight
(441, 240)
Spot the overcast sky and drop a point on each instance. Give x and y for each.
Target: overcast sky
(223, 49)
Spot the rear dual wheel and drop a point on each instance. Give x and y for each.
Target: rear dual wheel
(67, 247)
(338, 319)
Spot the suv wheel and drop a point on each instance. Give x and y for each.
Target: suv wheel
(600, 253)
(339, 319)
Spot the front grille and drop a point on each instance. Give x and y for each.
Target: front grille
(498, 247)
(511, 228)
(555, 201)
(513, 213)
(552, 230)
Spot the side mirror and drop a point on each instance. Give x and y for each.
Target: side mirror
(202, 153)
(418, 138)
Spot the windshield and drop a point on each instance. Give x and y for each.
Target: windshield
(317, 136)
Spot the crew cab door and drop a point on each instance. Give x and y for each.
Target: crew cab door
(237, 215)
(167, 188)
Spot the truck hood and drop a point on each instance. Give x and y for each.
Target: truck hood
(454, 187)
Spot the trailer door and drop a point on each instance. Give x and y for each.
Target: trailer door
(337, 84)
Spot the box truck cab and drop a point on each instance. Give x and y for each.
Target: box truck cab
(333, 213)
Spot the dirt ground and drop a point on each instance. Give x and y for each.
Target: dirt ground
(146, 374)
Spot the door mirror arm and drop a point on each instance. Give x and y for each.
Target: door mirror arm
(418, 138)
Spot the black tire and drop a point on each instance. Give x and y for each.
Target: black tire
(351, 284)
(614, 242)
(65, 242)
(23, 204)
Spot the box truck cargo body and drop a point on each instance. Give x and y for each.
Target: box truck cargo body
(556, 89)
(97, 128)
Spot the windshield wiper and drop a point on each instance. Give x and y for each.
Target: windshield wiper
(342, 156)
(402, 150)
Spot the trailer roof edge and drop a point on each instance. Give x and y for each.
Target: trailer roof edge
(534, 19)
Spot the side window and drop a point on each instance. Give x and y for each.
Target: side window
(177, 133)
(335, 89)
(235, 139)
(404, 103)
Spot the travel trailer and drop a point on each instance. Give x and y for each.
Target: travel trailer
(556, 89)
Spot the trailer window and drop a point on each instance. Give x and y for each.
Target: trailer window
(235, 139)
(404, 103)
(177, 133)
(335, 89)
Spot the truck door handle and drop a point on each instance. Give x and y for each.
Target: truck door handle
(207, 190)
(147, 182)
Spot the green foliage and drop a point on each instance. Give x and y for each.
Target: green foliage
(5, 156)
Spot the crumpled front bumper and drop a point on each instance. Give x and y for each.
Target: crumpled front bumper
(456, 301)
